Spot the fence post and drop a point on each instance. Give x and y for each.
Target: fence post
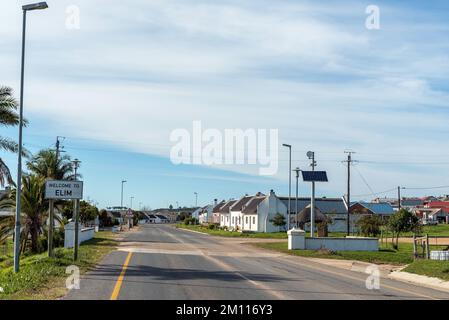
(414, 246)
(427, 246)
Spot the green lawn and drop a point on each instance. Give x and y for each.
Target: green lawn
(41, 277)
(223, 233)
(384, 256)
(431, 268)
(440, 230)
(263, 235)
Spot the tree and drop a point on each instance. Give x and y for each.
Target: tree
(370, 225)
(403, 221)
(278, 220)
(87, 211)
(34, 211)
(8, 117)
(45, 164)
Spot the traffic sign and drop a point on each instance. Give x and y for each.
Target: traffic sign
(63, 189)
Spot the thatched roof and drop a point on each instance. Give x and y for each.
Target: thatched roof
(304, 215)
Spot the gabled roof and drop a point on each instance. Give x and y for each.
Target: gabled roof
(225, 207)
(326, 205)
(250, 207)
(376, 208)
(218, 206)
(240, 203)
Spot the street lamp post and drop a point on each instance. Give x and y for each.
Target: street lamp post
(289, 183)
(296, 207)
(131, 204)
(196, 199)
(121, 199)
(25, 8)
(311, 156)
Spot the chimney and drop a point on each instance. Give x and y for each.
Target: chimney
(215, 202)
(271, 192)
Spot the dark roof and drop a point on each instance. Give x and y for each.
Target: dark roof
(325, 205)
(161, 217)
(240, 203)
(151, 216)
(225, 208)
(218, 206)
(304, 215)
(251, 206)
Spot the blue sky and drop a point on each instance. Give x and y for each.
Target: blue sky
(137, 70)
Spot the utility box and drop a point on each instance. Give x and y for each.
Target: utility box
(296, 239)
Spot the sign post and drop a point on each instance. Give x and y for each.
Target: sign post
(67, 190)
(51, 228)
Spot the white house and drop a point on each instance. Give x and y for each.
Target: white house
(225, 214)
(253, 213)
(206, 214)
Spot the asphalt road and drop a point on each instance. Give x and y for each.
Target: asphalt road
(162, 262)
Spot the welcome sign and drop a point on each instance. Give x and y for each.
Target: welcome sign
(63, 189)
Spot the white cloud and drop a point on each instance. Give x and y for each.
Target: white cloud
(137, 70)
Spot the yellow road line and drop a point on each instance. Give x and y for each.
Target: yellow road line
(118, 284)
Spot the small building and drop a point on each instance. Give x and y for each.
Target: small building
(383, 209)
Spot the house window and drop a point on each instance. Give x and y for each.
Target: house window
(246, 220)
(240, 220)
(254, 220)
(232, 220)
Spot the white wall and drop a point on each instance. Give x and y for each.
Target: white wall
(84, 234)
(250, 222)
(343, 244)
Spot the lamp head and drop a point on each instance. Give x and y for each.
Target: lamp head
(35, 6)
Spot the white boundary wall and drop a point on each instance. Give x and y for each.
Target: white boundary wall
(297, 240)
(84, 234)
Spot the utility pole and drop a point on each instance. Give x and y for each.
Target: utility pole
(399, 198)
(349, 161)
(311, 156)
(76, 207)
(196, 199)
(131, 204)
(296, 206)
(289, 183)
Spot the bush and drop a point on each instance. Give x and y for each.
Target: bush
(213, 226)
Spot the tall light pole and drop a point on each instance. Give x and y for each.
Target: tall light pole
(25, 8)
(196, 199)
(289, 183)
(311, 156)
(296, 207)
(76, 164)
(121, 198)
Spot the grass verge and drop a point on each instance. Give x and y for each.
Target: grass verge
(262, 235)
(223, 233)
(41, 277)
(430, 268)
(385, 255)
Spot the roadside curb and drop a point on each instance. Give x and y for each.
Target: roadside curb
(425, 281)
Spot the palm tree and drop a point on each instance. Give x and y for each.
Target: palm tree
(8, 117)
(46, 165)
(34, 211)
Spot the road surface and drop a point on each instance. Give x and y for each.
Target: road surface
(162, 262)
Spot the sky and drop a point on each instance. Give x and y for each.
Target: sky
(135, 71)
